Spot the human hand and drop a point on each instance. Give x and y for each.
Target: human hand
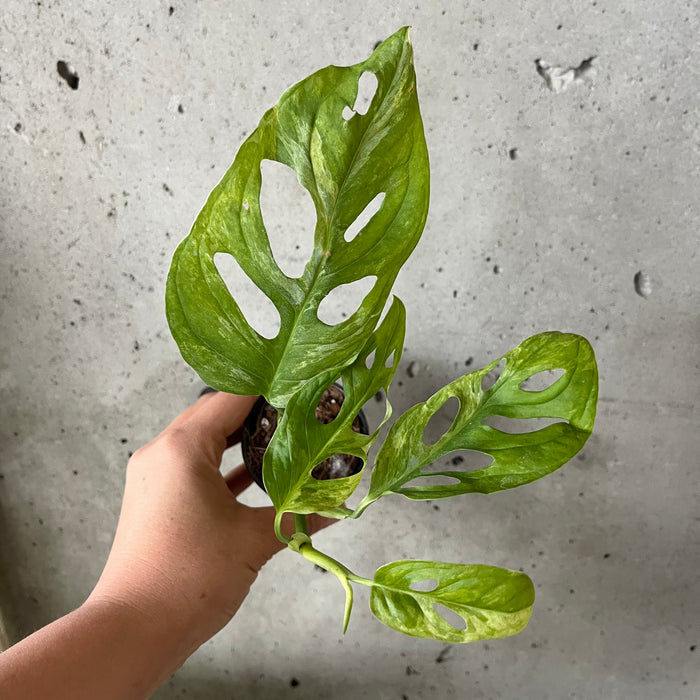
(186, 550)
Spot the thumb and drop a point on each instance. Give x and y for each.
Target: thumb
(211, 419)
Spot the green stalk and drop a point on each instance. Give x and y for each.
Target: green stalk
(300, 524)
(278, 529)
(302, 544)
(361, 507)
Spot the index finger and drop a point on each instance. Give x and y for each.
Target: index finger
(238, 480)
(216, 418)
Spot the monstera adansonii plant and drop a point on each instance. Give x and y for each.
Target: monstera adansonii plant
(345, 160)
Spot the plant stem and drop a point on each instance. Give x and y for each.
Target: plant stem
(302, 544)
(300, 523)
(278, 529)
(339, 513)
(308, 551)
(361, 507)
(358, 579)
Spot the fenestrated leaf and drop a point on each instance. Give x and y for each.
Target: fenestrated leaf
(344, 165)
(301, 441)
(517, 458)
(492, 602)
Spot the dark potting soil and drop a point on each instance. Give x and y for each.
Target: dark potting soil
(261, 424)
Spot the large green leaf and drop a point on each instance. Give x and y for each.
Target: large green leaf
(301, 441)
(344, 165)
(492, 602)
(517, 458)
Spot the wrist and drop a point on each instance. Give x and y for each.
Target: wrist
(105, 649)
(160, 639)
(186, 611)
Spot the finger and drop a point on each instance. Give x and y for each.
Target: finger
(235, 437)
(238, 480)
(215, 417)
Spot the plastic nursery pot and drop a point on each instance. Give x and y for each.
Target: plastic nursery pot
(261, 424)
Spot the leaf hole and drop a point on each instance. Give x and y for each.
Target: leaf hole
(519, 426)
(330, 404)
(441, 421)
(424, 586)
(348, 113)
(369, 360)
(289, 216)
(258, 310)
(432, 480)
(450, 617)
(365, 217)
(390, 360)
(366, 90)
(338, 466)
(344, 300)
(461, 461)
(491, 378)
(387, 305)
(542, 380)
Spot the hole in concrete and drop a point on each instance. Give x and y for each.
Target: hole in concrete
(289, 216)
(344, 300)
(558, 78)
(67, 72)
(642, 284)
(258, 310)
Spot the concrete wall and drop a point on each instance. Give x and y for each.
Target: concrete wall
(548, 197)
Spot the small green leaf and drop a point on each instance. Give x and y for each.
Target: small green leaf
(301, 441)
(517, 458)
(492, 602)
(344, 164)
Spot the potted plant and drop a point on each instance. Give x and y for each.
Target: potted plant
(345, 161)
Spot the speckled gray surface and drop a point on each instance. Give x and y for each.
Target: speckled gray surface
(545, 205)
